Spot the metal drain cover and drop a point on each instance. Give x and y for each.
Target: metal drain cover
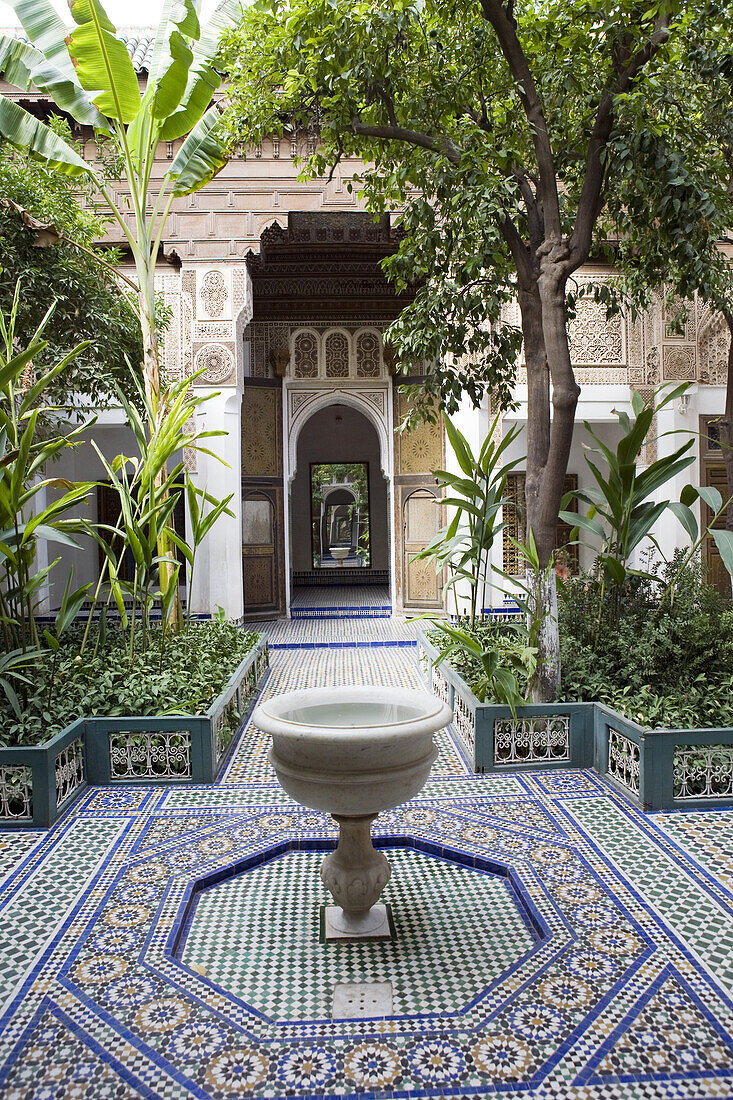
(354, 1000)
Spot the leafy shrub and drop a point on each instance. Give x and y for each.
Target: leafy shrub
(491, 635)
(664, 665)
(178, 673)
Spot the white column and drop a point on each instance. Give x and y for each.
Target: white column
(217, 578)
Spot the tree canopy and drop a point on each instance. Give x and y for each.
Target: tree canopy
(89, 303)
(507, 135)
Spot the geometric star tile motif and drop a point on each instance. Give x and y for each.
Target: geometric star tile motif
(703, 921)
(617, 987)
(57, 1063)
(667, 1034)
(457, 930)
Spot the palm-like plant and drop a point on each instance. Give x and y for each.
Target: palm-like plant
(89, 75)
(463, 547)
(621, 513)
(25, 456)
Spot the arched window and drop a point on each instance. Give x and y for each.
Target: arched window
(337, 355)
(368, 354)
(305, 354)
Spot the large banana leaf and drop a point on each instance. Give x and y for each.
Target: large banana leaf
(102, 62)
(202, 155)
(46, 31)
(24, 65)
(172, 83)
(177, 16)
(26, 132)
(203, 80)
(172, 56)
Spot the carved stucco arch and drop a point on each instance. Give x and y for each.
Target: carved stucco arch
(373, 404)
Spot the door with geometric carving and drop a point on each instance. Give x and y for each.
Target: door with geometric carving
(260, 565)
(262, 500)
(421, 519)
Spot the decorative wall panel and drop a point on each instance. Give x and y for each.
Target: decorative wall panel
(261, 447)
(679, 363)
(368, 355)
(714, 341)
(305, 358)
(514, 517)
(214, 295)
(337, 358)
(217, 361)
(420, 450)
(593, 338)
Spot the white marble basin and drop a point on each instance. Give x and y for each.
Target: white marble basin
(339, 552)
(352, 750)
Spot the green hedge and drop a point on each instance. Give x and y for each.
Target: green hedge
(181, 673)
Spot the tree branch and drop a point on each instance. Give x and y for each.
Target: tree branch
(626, 69)
(412, 137)
(505, 30)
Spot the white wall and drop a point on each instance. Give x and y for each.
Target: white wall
(217, 580)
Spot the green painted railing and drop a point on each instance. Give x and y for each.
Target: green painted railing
(657, 769)
(39, 782)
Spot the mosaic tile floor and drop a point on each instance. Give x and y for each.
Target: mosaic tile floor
(551, 943)
(337, 633)
(340, 597)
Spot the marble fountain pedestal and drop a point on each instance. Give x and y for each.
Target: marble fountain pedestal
(353, 752)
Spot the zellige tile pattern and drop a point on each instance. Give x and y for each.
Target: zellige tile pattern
(553, 943)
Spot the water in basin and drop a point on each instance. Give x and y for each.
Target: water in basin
(353, 715)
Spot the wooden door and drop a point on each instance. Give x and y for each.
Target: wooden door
(713, 473)
(421, 519)
(718, 576)
(260, 565)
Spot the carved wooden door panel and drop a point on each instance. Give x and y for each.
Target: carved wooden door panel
(262, 501)
(718, 576)
(260, 554)
(713, 473)
(421, 522)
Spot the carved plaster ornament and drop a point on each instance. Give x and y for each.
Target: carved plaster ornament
(214, 293)
(280, 361)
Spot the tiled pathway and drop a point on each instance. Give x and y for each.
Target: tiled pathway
(551, 941)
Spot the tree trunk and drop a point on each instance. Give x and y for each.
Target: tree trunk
(546, 681)
(726, 429)
(544, 326)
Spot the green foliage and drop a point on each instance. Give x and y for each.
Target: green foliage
(620, 513)
(664, 666)
(463, 546)
(182, 674)
(493, 658)
(426, 94)
(355, 473)
(89, 305)
(147, 491)
(25, 457)
(89, 74)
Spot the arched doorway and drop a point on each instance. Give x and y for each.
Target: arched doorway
(339, 503)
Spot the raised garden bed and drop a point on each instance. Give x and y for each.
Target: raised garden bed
(657, 769)
(39, 782)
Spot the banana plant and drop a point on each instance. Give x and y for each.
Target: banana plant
(89, 75)
(620, 513)
(463, 546)
(24, 459)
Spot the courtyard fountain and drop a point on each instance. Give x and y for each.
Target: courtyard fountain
(353, 752)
